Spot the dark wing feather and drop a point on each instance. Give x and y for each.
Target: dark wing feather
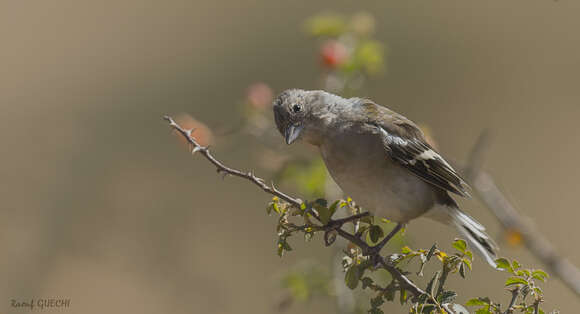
(405, 144)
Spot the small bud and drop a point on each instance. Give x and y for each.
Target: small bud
(330, 237)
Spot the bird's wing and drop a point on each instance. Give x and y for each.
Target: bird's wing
(405, 144)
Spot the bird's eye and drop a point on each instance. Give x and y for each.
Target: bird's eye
(296, 108)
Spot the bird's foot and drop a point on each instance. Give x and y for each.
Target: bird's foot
(374, 251)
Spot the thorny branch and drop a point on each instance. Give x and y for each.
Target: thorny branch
(492, 197)
(374, 252)
(221, 168)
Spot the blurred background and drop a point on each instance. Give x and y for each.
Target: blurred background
(102, 205)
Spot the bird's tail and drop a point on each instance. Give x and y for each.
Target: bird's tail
(475, 234)
(470, 229)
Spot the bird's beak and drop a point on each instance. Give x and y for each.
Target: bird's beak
(292, 133)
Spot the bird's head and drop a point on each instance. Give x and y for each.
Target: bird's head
(292, 111)
(307, 115)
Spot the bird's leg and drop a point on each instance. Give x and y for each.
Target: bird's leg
(377, 248)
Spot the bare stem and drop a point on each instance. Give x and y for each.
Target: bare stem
(492, 197)
(515, 293)
(221, 168)
(537, 305)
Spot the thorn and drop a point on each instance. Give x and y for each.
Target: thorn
(195, 150)
(189, 132)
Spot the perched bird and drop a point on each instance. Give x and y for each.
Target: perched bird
(380, 159)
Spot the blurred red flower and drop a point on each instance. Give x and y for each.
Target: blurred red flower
(333, 53)
(202, 133)
(259, 95)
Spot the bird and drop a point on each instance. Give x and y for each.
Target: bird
(380, 159)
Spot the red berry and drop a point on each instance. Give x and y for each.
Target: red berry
(333, 53)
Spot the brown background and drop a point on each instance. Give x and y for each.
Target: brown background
(100, 205)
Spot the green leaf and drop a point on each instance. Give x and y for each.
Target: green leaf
(467, 263)
(462, 270)
(432, 283)
(321, 202)
(308, 176)
(368, 219)
(516, 265)
(504, 264)
(323, 213)
(286, 246)
(369, 56)
(515, 281)
(375, 233)
(406, 250)
(352, 277)
(377, 301)
(460, 245)
(366, 282)
(540, 274)
(468, 253)
(333, 207)
(447, 297)
(276, 208)
(375, 310)
(525, 290)
(478, 302)
(298, 286)
(431, 251)
(269, 208)
(389, 294)
(331, 25)
(330, 237)
(403, 296)
(428, 308)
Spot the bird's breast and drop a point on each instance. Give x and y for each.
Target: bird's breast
(364, 171)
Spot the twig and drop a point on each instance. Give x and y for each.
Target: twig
(537, 305)
(403, 280)
(224, 169)
(493, 198)
(515, 293)
(221, 168)
(377, 248)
